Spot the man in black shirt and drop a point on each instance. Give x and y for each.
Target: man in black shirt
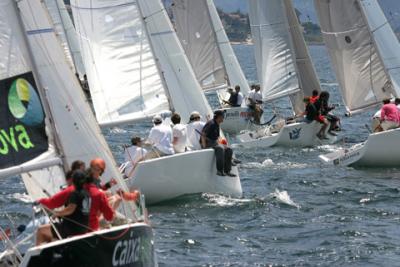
(209, 139)
(233, 98)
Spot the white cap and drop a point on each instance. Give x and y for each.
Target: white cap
(157, 119)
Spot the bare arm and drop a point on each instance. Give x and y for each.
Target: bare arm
(68, 210)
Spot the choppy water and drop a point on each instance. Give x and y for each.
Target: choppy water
(336, 216)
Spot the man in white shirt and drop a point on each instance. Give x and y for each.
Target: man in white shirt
(255, 102)
(133, 155)
(179, 134)
(240, 96)
(193, 130)
(160, 138)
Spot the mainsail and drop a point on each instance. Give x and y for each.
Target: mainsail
(206, 44)
(135, 65)
(65, 30)
(307, 75)
(363, 50)
(46, 122)
(274, 49)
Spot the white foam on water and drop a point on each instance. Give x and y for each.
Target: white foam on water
(117, 130)
(224, 201)
(284, 198)
(258, 165)
(22, 197)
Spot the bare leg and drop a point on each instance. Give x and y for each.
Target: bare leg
(43, 234)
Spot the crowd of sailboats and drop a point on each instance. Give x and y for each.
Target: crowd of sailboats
(139, 64)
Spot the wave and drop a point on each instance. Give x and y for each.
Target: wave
(284, 198)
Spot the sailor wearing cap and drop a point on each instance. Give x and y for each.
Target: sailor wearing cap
(193, 131)
(210, 138)
(161, 138)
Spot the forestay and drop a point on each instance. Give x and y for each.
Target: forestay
(274, 51)
(357, 65)
(65, 30)
(125, 83)
(55, 86)
(306, 73)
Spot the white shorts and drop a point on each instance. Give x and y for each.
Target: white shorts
(387, 125)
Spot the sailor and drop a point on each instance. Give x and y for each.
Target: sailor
(74, 217)
(61, 197)
(160, 138)
(179, 134)
(240, 96)
(390, 117)
(322, 103)
(134, 154)
(99, 202)
(232, 101)
(255, 103)
(210, 138)
(98, 166)
(312, 113)
(193, 131)
(314, 97)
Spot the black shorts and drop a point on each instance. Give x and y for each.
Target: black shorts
(67, 230)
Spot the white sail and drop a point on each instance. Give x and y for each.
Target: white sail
(206, 44)
(385, 40)
(125, 83)
(274, 52)
(306, 73)
(357, 65)
(232, 66)
(66, 32)
(77, 134)
(194, 28)
(14, 61)
(185, 92)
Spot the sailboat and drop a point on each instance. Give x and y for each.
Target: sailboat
(285, 69)
(365, 54)
(46, 124)
(213, 60)
(137, 68)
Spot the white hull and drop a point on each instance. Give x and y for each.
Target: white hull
(192, 172)
(380, 150)
(237, 119)
(290, 135)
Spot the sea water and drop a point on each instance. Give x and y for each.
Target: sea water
(294, 212)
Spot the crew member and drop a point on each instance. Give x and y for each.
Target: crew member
(389, 116)
(179, 134)
(210, 138)
(160, 138)
(255, 103)
(133, 155)
(193, 130)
